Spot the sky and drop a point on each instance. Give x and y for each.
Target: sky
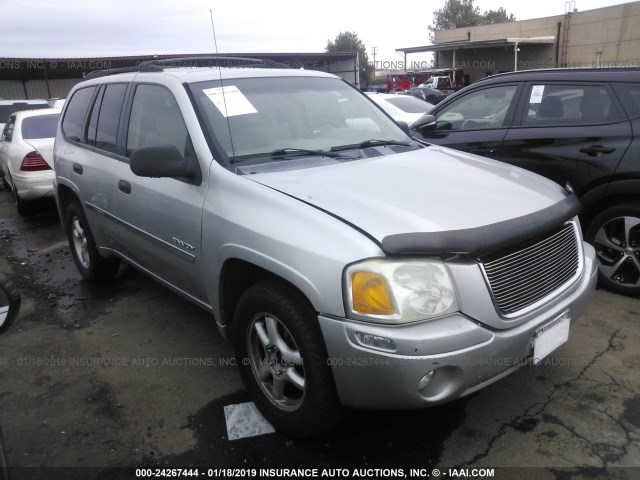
(88, 28)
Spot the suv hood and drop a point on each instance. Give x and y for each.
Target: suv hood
(434, 189)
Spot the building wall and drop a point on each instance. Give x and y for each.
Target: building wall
(36, 89)
(604, 37)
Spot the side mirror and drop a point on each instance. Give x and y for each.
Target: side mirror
(9, 303)
(161, 161)
(425, 122)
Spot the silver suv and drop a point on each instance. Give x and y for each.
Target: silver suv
(351, 265)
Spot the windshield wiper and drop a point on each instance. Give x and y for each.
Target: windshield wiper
(288, 152)
(370, 143)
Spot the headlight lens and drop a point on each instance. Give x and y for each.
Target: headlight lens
(399, 291)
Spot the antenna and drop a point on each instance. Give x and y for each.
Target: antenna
(224, 99)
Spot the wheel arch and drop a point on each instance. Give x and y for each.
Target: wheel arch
(64, 196)
(605, 196)
(237, 275)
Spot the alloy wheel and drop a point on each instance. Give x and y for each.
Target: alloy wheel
(617, 243)
(276, 362)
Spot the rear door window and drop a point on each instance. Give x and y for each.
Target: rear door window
(7, 133)
(568, 104)
(108, 119)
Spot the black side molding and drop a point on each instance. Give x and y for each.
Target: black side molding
(486, 239)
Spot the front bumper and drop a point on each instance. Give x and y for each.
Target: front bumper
(464, 354)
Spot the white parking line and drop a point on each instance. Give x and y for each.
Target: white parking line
(244, 420)
(55, 246)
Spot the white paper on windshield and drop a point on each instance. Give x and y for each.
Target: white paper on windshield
(230, 101)
(536, 94)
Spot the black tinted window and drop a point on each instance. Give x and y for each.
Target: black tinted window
(629, 95)
(40, 127)
(482, 109)
(76, 112)
(156, 120)
(108, 119)
(569, 104)
(8, 129)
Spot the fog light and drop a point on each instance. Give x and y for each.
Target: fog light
(376, 341)
(424, 381)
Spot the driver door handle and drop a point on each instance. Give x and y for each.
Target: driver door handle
(596, 150)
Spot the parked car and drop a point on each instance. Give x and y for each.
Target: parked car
(434, 90)
(350, 265)
(571, 125)
(7, 107)
(26, 155)
(402, 108)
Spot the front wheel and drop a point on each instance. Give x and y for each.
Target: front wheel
(615, 234)
(283, 361)
(91, 265)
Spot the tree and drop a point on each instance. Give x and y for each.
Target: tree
(349, 42)
(497, 16)
(463, 13)
(456, 14)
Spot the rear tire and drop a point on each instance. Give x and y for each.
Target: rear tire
(615, 234)
(23, 208)
(283, 361)
(91, 265)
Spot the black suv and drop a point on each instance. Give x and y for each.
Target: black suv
(575, 126)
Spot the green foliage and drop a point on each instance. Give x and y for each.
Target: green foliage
(349, 42)
(497, 16)
(463, 13)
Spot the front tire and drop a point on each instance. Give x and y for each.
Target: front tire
(615, 234)
(91, 265)
(283, 361)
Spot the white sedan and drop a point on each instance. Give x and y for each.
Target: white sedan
(26, 155)
(405, 108)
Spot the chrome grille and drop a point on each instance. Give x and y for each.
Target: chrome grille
(521, 278)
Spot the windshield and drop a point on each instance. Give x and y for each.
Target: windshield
(270, 114)
(40, 127)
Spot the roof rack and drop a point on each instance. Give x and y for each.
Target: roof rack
(159, 65)
(114, 71)
(215, 61)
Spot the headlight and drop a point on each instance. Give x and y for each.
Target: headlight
(399, 291)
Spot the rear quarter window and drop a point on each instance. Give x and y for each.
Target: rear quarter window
(629, 95)
(76, 112)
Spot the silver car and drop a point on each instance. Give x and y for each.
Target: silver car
(351, 266)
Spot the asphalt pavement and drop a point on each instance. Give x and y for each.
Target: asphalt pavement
(94, 378)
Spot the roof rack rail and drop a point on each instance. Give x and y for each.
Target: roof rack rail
(114, 71)
(215, 61)
(159, 65)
